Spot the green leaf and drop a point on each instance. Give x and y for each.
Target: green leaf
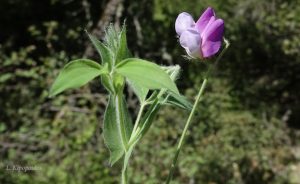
(107, 83)
(146, 122)
(104, 52)
(119, 82)
(140, 91)
(146, 74)
(172, 71)
(111, 135)
(111, 38)
(75, 74)
(123, 51)
(117, 127)
(123, 119)
(179, 101)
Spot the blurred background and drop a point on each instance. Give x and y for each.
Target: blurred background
(247, 128)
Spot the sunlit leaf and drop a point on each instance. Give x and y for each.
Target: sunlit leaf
(146, 74)
(104, 52)
(123, 51)
(140, 91)
(75, 74)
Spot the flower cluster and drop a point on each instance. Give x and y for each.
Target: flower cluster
(203, 38)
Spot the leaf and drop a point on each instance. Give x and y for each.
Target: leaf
(146, 74)
(179, 101)
(106, 82)
(111, 38)
(113, 129)
(172, 71)
(75, 74)
(123, 118)
(118, 82)
(123, 52)
(140, 91)
(146, 122)
(111, 135)
(104, 52)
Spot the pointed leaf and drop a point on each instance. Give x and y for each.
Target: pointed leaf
(123, 51)
(104, 52)
(111, 135)
(111, 38)
(146, 74)
(75, 74)
(172, 71)
(117, 127)
(179, 101)
(140, 91)
(128, 126)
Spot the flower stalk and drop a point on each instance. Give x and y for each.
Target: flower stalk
(192, 113)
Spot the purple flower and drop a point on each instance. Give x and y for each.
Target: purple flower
(203, 38)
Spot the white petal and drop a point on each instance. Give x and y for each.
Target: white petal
(183, 22)
(191, 41)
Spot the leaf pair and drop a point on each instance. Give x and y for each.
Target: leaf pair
(144, 74)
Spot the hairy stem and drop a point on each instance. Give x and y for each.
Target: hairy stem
(124, 179)
(137, 121)
(128, 153)
(198, 98)
(185, 131)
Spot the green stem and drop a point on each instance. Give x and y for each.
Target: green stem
(137, 121)
(185, 131)
(124, 179)
(137, 131)
(179, 146)
(124, 175)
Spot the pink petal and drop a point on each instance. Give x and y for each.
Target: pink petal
(204, 19)
(212, 37)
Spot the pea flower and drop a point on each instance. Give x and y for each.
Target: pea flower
(201, 39)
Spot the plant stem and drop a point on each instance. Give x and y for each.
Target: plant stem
(124, 175)
(136, 131)
(133, 135)
(137, 121)
(185, 131)
(179, 146)
(124, 179)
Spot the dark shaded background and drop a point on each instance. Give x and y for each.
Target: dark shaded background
(247, 128)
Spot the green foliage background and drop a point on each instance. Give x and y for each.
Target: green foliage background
(246, 129)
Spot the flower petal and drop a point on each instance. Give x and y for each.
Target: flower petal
(212, 37)
(183, 22)
(191, 41)
(204, 19)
